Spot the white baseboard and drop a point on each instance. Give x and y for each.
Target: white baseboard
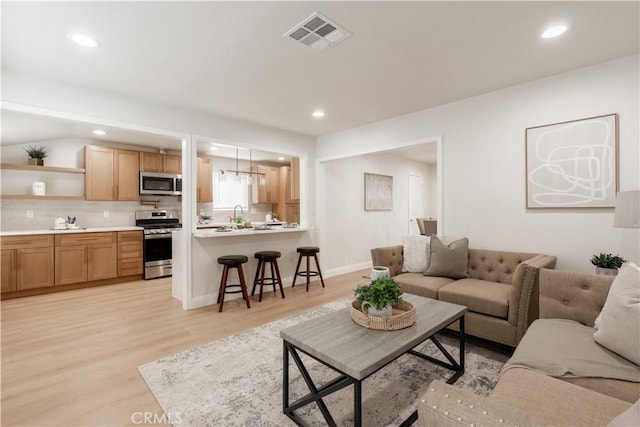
(347, 269)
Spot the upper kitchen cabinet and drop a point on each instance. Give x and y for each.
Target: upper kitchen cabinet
(162, 163)
(294, 181)
(265, 189)
(205, 180)
(111, 174)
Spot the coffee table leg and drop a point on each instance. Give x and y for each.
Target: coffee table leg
(357, 403)
(461, 344)
(285, 376)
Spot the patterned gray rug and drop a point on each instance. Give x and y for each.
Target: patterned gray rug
(237, 381)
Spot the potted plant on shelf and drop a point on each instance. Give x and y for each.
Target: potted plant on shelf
(607, 264)
(36, 154)
(379, 296)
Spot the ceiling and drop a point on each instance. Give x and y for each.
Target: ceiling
(231, 59)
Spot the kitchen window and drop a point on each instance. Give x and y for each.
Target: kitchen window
(230, 190)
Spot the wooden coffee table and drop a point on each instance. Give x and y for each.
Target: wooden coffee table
(355, 352)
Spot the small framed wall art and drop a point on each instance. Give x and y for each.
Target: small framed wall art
(378, 192)
(572, 164)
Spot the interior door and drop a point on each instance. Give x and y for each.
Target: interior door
(416, 202)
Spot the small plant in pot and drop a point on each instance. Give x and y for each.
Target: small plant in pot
(607, 264)
(379, 296)
(36, 154)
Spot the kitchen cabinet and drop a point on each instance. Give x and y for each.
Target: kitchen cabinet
(27, 262)
(129, 253)
(287, 207)
(204, 191)
(85, 257)
(162, 163)
(293, 184)
(265, 187)
(111, 174)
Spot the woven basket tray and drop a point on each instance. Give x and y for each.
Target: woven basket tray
(404, 315)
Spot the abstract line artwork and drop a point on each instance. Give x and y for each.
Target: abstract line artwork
(378, 192)
(573, 164)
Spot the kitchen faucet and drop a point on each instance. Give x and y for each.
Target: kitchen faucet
(234, 212)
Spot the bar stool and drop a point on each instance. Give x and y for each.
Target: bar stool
(307, 252)
(263, 258)
(229, 262)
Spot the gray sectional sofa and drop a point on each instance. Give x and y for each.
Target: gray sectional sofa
(500, 292)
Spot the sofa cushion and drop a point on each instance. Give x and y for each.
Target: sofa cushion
(417, 284)
(495, 266)
(555, 402)
(480, 296)
(619, 321)
(448, 261)
(415, 251)
(630, 417)
(565, 348)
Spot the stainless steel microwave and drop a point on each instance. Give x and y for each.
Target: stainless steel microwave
(160, 184)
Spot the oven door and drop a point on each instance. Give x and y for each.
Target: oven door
(157, 255)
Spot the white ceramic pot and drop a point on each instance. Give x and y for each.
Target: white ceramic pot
(607, 271)
(386, 311)
(379, 271)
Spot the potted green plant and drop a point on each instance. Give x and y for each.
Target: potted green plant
(379, 296)
(36, 154)
(607, 264)
(204, 218)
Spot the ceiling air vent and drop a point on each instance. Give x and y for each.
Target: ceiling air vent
(318, 33)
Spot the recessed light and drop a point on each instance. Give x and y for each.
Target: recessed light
(281, 158)
(554, 31)
(318, 114)
(83, 40)
(99, 132)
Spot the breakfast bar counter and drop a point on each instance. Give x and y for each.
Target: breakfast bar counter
(207, 245)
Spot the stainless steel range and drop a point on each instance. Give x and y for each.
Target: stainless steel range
(159, 226)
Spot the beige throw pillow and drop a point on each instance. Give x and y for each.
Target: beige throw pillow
(619, 325)
(448, 261)
(415, 253)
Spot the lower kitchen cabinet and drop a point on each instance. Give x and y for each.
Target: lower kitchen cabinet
(27, 262)
(84, 257)
(129, 253)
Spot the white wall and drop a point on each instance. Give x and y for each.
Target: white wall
(348, 231)
(484, 169)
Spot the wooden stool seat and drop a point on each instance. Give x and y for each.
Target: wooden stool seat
(263, 258)
(308, 252)
(229, 262)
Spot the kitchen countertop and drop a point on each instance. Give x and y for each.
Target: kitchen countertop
(246, 232)
(67, 231)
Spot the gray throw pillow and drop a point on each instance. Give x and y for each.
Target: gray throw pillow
(448, 261)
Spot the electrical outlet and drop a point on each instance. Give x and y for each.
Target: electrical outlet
(30, 214)
(106, 214)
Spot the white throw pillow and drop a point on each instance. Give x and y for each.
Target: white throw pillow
(619, 325)
(415, 253)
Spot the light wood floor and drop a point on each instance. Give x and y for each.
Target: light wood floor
(70, 358)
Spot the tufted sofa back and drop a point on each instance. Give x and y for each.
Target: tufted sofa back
(495, 266)
(571, 295)
(390, 256)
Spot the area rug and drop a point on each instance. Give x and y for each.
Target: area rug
(237, 381)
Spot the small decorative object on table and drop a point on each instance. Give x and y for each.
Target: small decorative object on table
(379, 305)
(607, 264)
(36, 154)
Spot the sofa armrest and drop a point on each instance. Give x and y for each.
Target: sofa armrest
(388, 256)
(447, 405)
(523, 300)
(573, 296)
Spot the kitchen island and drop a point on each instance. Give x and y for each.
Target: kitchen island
(207, 245)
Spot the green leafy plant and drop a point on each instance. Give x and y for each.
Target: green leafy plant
(239, 220)
(204, 217)
(71, 220)
(607, 261)
(381, 292)
(35, 152)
